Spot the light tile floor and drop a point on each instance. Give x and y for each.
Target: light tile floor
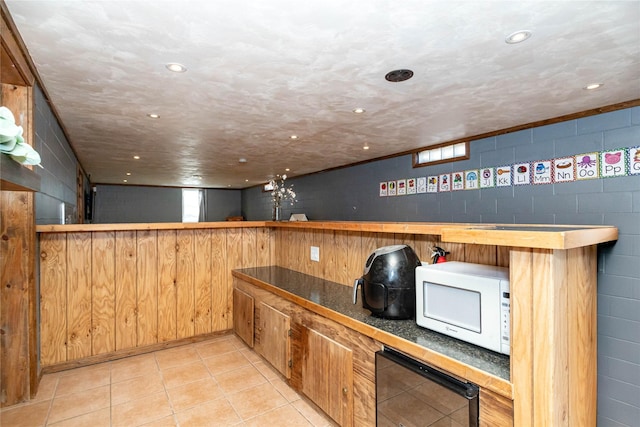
(219, 382)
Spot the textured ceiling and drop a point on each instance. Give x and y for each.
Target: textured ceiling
(260, 71)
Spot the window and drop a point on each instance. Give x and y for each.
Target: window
(192, 205)
(442, 153)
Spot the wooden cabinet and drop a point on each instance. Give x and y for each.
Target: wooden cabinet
(331, 364)
(327, 375)
(273, 337)
(243, 305)
(264, 328)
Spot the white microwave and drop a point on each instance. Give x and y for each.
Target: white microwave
(466, 301)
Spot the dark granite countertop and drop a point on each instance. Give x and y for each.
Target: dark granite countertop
(339, 298)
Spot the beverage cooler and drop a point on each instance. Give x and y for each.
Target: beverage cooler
(410, 393)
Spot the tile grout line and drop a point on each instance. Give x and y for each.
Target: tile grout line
(224, 393)
(263, 361)
(110, 397)
(283, 379)
(210, 376)
(238, 350)
(268, 381)
(166, 392)
(53, 396)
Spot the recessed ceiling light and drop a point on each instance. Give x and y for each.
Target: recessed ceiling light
(124, 180)
(242, 160)
(366, 147)
(175, 67)
(400, 75)
(153, 116)
(287, 170)
(593, 86)
(128, 173)
(359, 110)
(294, 137)
(246, 180)
(518, 37)
(136, 157)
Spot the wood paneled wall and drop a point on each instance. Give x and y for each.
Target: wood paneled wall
(343, 253)
(105, 291)
(110, 291)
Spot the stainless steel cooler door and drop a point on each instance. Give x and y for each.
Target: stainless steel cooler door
(411, 394)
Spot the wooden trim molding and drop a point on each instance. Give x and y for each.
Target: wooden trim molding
(120, 354)
(54, 228)
(521, 235)
(14, 47)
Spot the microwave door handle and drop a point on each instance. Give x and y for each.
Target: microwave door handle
(357, 283)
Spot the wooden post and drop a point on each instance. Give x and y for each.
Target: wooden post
(17, 247)
(19, 370)
(553, 314)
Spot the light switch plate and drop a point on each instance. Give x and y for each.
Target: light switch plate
(315, 253)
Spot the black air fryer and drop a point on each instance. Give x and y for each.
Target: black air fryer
(389, 282)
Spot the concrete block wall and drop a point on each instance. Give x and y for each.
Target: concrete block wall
(58, 175)
(352, 194)
(136, 204)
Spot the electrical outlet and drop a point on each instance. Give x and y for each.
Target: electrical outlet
(315, 253)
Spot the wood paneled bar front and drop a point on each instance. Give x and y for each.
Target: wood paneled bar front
(110, 290)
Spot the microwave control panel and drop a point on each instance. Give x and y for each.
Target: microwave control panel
(505, 317)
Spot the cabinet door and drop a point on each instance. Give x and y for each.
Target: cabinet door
(272, 338)
(243, 315)
(327, 376)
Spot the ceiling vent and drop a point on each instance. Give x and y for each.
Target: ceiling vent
(398, 75)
